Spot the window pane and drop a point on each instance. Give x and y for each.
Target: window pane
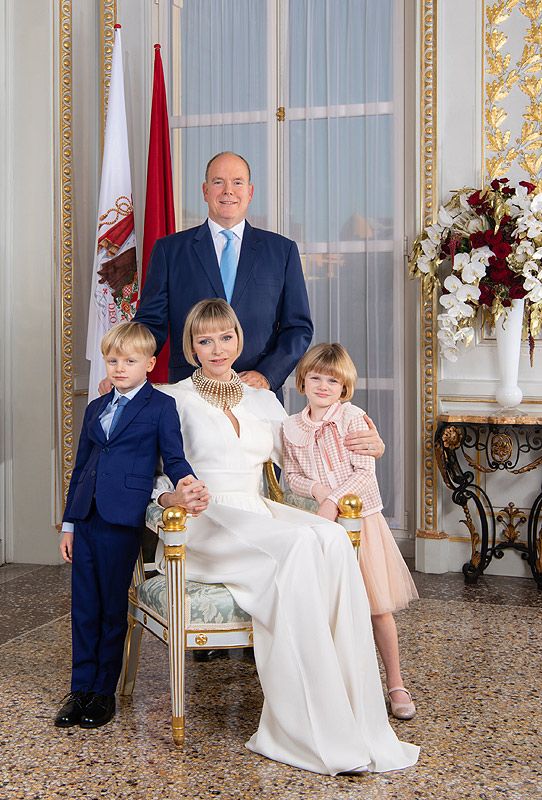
(340, 52)
(221, 50)
(356, 203)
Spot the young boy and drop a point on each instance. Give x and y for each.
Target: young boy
(123, 435)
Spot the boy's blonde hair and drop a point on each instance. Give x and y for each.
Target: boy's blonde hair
(128, 336)
(328, 359)
(209, 315)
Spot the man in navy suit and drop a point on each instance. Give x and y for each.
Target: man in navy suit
(123, 435)
(263, 281)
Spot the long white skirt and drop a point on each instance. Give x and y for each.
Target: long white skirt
(297, 576)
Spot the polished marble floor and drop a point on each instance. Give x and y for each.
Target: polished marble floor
(473, 660)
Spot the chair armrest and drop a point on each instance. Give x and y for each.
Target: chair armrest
(274, 491)
(172, 529)
(350, 507)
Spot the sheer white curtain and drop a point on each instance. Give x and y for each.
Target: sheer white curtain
(329, 176)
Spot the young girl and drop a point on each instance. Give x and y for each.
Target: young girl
(318, 465)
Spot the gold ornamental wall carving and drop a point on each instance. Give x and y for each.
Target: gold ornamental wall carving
(428, 210)
(66, 243)
(513, 81)
(108, 10)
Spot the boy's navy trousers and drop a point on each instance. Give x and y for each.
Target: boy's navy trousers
(104, 557)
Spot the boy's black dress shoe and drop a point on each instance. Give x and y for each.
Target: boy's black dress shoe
(99, 710)
(71, 712)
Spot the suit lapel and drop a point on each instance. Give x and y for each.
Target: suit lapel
(206, 253)
(247, 258)
(95, 426)
(132, 409)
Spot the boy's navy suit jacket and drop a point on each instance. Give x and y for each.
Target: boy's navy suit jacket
(118, 472)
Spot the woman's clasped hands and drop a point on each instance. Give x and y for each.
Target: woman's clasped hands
(190, 493)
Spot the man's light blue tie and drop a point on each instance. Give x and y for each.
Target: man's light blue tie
(121, 403)
(228, 264)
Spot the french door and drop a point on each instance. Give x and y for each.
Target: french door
(310, 92)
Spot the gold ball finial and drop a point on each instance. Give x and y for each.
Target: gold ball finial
(350, 506)
(174, 518)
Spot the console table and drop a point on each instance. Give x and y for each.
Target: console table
(469, 445)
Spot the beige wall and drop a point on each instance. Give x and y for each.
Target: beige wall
(27, 200)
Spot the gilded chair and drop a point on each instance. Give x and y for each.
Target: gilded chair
(187, 615)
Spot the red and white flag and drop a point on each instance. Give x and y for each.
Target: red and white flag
(159, 203)
(115, 285)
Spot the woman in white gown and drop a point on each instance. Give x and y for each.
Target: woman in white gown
(295, 573)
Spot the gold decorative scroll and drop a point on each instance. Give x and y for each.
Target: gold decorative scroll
(512, 81)
(428, 210)
(66, 243)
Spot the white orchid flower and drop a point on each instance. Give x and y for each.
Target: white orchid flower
(450, 353)
(445, 321)
(424, 264)
(428, 248)
(461, 260)
(463, 202)
(446, 338)
(533, 286)
(435, 233)
(460, 310)
(475, 225)
(448, 301)
(530, 268)
(536, 204)
(524, 250)
(482, 254)
(468, 292)
(465, 334)
(473, 271)
(444, 218)
(452, 283)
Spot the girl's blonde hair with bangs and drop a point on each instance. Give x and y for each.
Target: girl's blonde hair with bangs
(328, 359)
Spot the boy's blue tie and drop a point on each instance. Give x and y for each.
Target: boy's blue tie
(121, 403)
(228, 264)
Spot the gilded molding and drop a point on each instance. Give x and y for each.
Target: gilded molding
(108, 16)
(428, 198)
(66, 243)
(506, 76)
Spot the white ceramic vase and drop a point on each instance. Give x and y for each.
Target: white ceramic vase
(508, 335)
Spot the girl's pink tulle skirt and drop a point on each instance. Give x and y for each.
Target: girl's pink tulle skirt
(387, 578)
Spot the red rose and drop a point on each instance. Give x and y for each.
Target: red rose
(529, 186)
(477, 239)
(474, 199)
(492, 238)
(499, 274)
(486, 295)
(502, 249)
(517, 292)
(495, 185)
(507, 303)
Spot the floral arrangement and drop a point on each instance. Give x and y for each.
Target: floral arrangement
(487, 244)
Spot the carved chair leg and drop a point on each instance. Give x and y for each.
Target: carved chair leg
(130, 663)
(175, 579)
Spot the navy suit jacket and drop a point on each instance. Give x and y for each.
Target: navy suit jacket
(269, 297)
(118, 472)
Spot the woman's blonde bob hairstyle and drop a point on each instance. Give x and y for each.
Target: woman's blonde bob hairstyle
(209, 315)
(328, 359)
(127, 336)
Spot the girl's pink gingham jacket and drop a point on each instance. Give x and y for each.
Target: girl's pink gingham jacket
(314, 452)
